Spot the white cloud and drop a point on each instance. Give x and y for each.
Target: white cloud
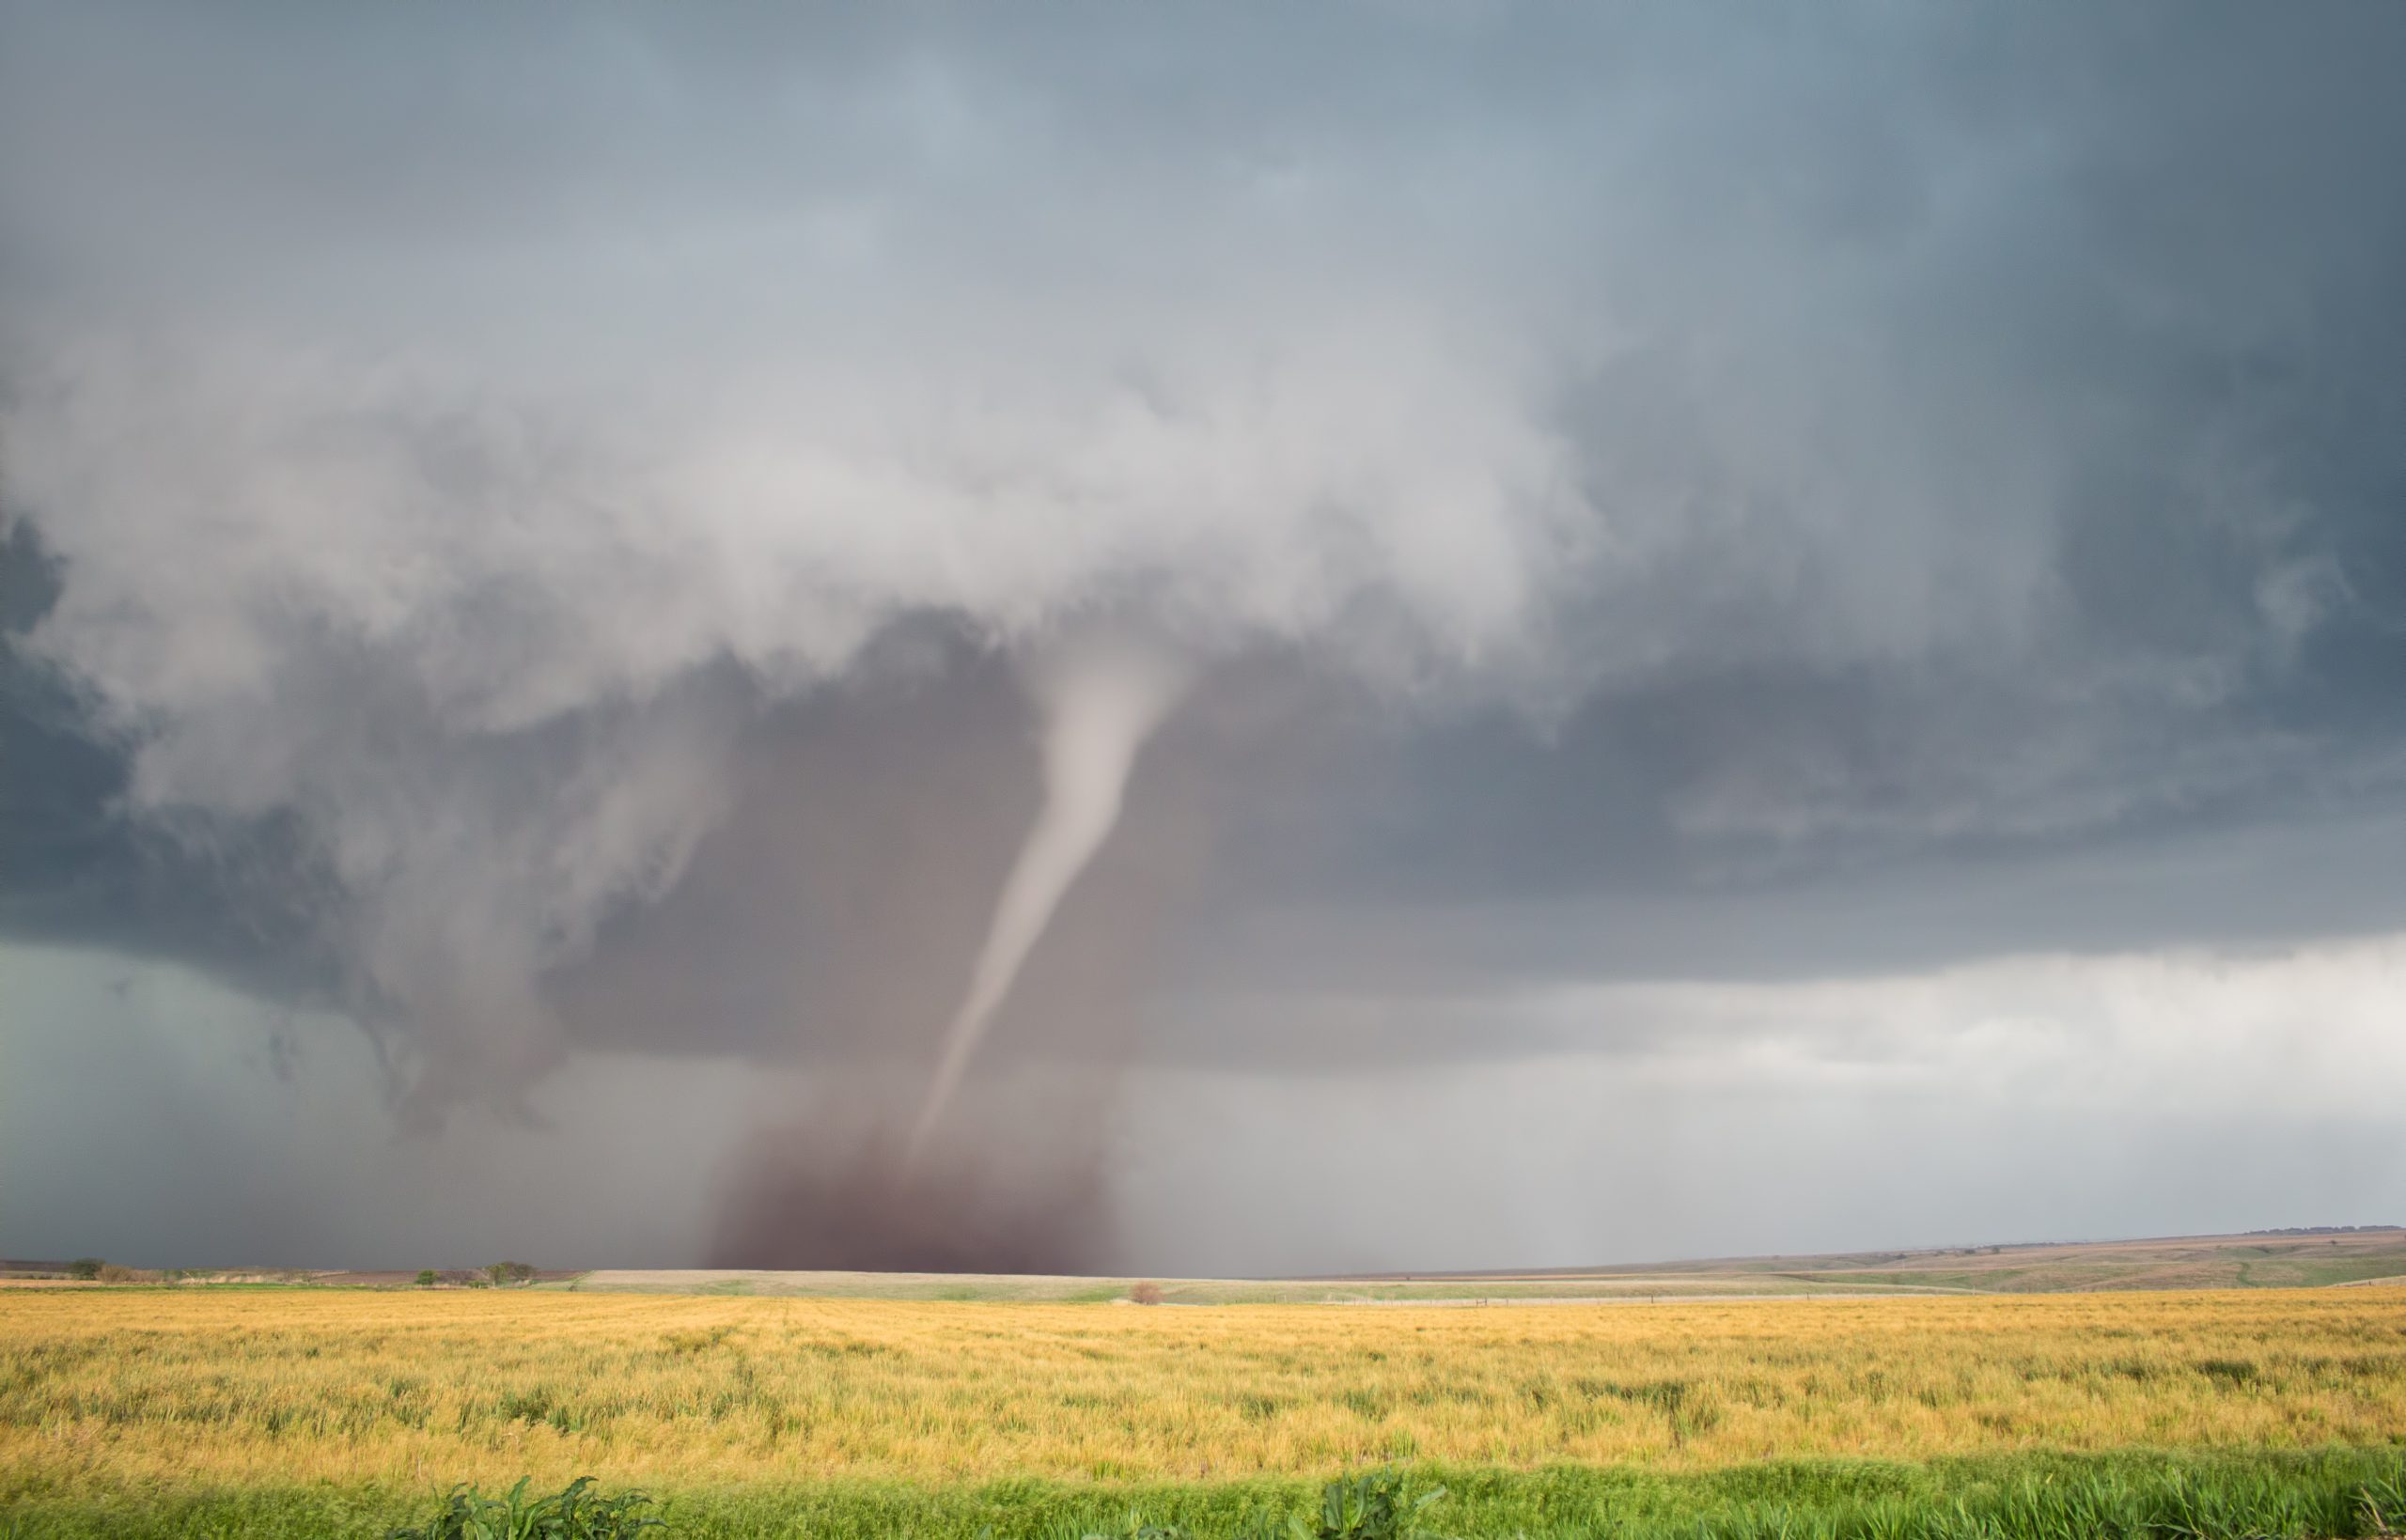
(2035, 1097)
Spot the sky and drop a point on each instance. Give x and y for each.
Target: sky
(1780, 630)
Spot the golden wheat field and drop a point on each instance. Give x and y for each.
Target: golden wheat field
(140, 1385)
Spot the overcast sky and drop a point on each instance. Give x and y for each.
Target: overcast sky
(1796, 623)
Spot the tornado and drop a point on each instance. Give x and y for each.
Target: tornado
(1100, 697)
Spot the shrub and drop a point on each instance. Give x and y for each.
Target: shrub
(87, 1268)
(425, 1277)
(510, 1273)
(1136, 1529)
(575, 1514)
(1146, 1293)
(1369, 1506)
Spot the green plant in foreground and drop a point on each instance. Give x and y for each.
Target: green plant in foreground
(2380, 1505)
(1369, 1506)
(575, 1514)
(1136, 1529)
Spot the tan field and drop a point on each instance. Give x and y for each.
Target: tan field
(132, 1386)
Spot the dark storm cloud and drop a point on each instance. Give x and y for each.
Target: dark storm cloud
(2085, 336)
(1681, 481)
(74, 868)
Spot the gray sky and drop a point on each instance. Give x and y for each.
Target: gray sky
(1797, 624)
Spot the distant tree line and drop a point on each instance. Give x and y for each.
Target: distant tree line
(491, 1275)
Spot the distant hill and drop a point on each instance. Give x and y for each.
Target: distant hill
(2304, 1257)
(2320, 1256)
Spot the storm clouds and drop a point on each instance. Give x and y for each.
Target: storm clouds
(1759, 589)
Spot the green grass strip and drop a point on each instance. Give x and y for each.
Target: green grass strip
(2332, 1494)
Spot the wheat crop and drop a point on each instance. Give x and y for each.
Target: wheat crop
(123, 1388)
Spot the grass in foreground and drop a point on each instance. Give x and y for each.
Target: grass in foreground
(121, 1389)
(2330, 1494)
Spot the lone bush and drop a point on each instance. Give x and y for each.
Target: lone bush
(85, 1269)
(1146, 1293)
(575, 1514)
(1371, 1506)
(510, 1273)
(425, 1277)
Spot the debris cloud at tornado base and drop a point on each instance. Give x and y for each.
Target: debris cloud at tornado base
(855, 881)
